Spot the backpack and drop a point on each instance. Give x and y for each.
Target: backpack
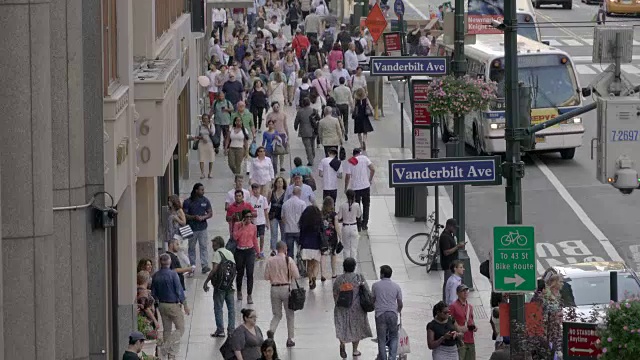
(304, 93)
(327, 42)
(225, 276)
(345, 295)
(359, 48)
(314, 118)
(313, 63)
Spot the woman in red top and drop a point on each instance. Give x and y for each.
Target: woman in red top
(245, 234)
(334, 56)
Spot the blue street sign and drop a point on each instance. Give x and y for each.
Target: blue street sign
(408, 66)
(398, 8)
(483, 170)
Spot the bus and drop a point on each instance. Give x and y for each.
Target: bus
(528, 26)
(554, 91)
(526, 20)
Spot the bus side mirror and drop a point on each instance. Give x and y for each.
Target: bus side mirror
(586, 92)
(546, 42)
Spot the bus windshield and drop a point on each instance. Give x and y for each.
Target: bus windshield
(553, 84)
(527, 27)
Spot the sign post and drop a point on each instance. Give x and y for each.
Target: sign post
(579, 341)
(514, 259)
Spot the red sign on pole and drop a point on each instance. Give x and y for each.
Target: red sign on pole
(376, 23)
(392, 42)
(421, 115)
(580, 341)
(420, 90)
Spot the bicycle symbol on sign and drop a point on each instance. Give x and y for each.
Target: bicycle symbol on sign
(514, 237)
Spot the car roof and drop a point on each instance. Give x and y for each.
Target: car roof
(591, 269)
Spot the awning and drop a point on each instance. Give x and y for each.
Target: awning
(229, 4)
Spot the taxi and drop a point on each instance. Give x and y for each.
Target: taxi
(629, 7)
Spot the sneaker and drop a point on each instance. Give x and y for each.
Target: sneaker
(290, 343)
(206, 270)
(218, 333)
(282, 169)
(269, 334)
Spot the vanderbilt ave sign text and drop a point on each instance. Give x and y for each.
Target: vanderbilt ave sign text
(472, 170)
(408, 66)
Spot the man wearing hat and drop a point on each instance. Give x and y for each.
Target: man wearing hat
(136, 341)
(462, 312)
(359, 172)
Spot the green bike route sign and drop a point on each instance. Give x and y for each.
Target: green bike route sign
(514, 259)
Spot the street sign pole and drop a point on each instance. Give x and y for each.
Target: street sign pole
(459, 70)
(513, 167)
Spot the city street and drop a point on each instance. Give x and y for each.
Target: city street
(576, 217)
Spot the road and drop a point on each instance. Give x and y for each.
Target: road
(576, 217)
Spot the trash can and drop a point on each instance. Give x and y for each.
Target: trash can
(405, 202)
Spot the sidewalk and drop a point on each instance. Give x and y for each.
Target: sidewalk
(384, 244)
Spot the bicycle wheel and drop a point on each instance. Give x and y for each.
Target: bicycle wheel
(431, 252)
(416, 248)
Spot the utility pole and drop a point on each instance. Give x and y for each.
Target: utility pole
(513, 168)
(459, 70)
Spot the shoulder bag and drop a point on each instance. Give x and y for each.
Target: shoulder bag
(297, 296)
(366, 298)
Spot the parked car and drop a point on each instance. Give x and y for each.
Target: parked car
(566, 4)
(586, 285)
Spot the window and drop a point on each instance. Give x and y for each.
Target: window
(168, 11)
(109, 44)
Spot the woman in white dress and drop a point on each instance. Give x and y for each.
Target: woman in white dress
(277, 89)
(349, 214)
(204, 141)
(261, 171)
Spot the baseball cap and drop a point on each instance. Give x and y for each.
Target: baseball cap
(452, 222)
(136, 336)
(462, 287)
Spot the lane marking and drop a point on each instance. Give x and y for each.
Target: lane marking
(588, 41)
(573, 42)
(630, 69)
(414, 8)
(585, 70)
(555, 43)
(577, 209)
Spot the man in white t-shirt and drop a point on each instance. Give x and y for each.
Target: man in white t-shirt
(261, 207)
(330, 170)
(231, 195)
(359, 172)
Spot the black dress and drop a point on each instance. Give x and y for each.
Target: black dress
(361, 121)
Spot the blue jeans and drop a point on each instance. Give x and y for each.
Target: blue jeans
(251, 20)
(219, 298)
(199, 237)
(275, 226)
(291, 239)
(387, 332)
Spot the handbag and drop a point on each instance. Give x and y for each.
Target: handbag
(297, 296)
(404, 346)
(195, 144)
(253, 149)
(226, 350)
(186, 231)
(366, 298)
(231, 244)
(343, 154)
(339, 247)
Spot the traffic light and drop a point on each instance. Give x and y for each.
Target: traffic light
(619, 142)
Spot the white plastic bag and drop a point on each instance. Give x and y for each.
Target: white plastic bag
(403, 342)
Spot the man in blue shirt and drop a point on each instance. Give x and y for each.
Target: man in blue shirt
(307, 195)
(197, 209)
(166, 288)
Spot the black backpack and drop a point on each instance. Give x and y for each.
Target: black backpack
(304, 93)
(313, 62)
(225, 274)
(359, 48)
(345, 295)
(327, 42)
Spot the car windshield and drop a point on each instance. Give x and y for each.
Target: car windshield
(585, 291)
(552, 83)
(527, 29)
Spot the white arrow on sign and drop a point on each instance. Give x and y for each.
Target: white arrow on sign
(518, 280)
(582, 350)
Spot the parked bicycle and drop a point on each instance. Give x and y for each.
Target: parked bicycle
(421, 247)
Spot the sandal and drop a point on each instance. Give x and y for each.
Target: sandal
(343, 352)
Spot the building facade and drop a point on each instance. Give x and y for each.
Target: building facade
(96, 108)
